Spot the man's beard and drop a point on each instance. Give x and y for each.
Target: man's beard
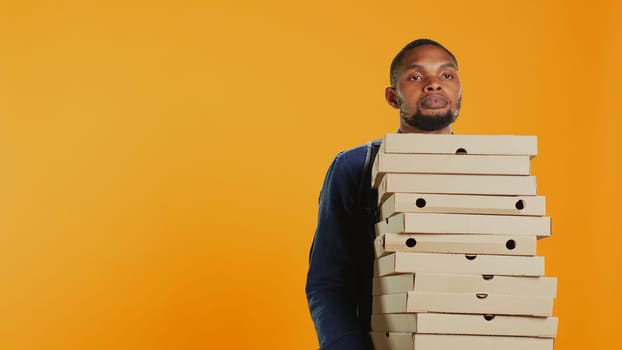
(429, 122)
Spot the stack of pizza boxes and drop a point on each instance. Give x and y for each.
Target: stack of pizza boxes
(456, 264)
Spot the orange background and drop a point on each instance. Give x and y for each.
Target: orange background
(162, 161)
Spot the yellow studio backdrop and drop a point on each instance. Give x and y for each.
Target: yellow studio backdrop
(161, 161)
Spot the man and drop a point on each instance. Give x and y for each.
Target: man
(425, 88)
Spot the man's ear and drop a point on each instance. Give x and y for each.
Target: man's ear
(391, 96)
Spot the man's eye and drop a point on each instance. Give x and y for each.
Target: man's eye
(415, 77)
(447, 76)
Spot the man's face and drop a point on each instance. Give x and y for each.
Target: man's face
(427, 90)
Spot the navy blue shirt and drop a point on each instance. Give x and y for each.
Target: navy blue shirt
(341, 263)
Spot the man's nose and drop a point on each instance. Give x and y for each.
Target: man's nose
(433, 85)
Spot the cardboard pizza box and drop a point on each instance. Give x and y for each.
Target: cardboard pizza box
(410, 341)
(462, 204)
(484, 324)
(406, 262)
(479, 303)
(456, 184)
(461, 283)
(462, 303)
(455, 243)
(392, 341)
(447, 164)
(466, 223)
(460, 144)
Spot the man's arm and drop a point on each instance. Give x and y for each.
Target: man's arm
(332, 265)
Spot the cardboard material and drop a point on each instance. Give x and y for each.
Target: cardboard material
(460, 144)
(392, 341)
(462, 303)
(462, 204)
(410, 341)
(476, 303)
(447, 164)
(485, 324)
(478, 342)
(441, 243)
(402, 323)
(456, 184)
(406, 262)
(394, 284)
(389, 303)
(459, 283)
(465, 223)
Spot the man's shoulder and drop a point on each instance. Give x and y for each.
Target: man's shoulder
(351, 163)
(352, 154)
(357, 153)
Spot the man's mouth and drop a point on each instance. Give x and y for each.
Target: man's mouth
(433, 102)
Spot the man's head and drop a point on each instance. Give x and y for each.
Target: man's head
(425, 87)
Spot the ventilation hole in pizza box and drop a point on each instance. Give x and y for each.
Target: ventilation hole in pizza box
(461, 151)
(387, 220)
(411, 242)
(487, 277)
(481, 295)
(420, 202)
(520, 204)
(489, 317)
(470, 257)
(386, 334)
(510, 244)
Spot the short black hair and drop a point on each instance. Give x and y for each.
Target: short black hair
(397, 60)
